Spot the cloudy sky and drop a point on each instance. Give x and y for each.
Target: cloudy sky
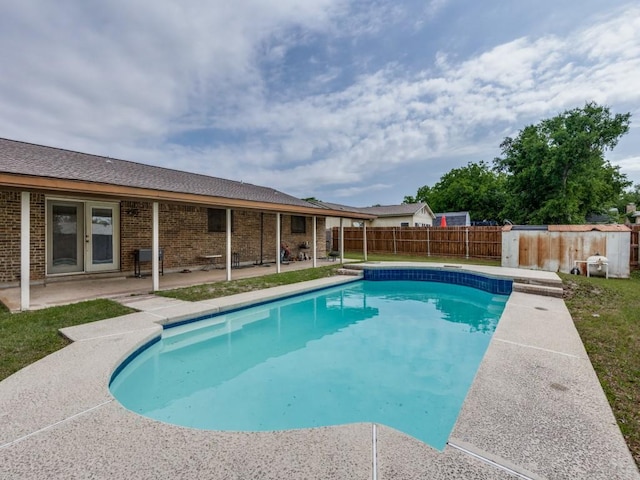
(349, 101)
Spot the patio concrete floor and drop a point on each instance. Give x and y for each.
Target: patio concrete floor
(70, 289)
(535, 410)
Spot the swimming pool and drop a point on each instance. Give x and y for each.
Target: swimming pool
(399, 353)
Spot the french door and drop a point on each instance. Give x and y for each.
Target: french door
(82, 236)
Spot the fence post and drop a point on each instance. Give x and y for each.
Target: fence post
(395, 250)
(428, 245)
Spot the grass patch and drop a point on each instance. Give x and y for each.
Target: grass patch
(607, 316)
(224, 288)
(29, 336)
(389, 257)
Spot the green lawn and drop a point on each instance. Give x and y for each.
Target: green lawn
(29, 336)
(607, 316)
(389, 257)
(224, 288)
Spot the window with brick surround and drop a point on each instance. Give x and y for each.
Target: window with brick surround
(298, 224)
(217, 220)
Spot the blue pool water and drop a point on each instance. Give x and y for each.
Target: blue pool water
(398, 353)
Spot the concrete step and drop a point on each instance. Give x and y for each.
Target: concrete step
(349, 271)
(539, 282)
(545, 290)
(146, 302)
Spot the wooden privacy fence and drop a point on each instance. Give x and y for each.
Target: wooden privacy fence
(477, 242)
(634, 261)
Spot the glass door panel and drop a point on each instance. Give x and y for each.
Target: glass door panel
(66, 237)
(102, 241)
(101, 236)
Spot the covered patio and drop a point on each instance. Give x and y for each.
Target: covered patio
(67, 215)
(77, 289)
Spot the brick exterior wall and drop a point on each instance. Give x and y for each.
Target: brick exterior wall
(10, 207)
(184, 235)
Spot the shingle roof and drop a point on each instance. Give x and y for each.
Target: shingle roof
(454, 219)
(29, 159)
(379, 211)
(394, 210)
(337, 206)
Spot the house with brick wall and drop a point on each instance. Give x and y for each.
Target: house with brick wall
(66, 213)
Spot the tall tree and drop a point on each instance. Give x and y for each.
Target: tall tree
(556, 170)
(423, 195)
(631, 195)
(475, 188)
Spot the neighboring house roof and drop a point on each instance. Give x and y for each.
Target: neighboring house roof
(402, 210)
(454, 219)
(36, 161)
(337, 206)
(599, 218)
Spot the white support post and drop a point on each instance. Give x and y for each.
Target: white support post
(228, 244)
(341, 240)
(467, 240)
(315, 242)
(364, 239)
(155, 248)
(278, 241)
(25, 259)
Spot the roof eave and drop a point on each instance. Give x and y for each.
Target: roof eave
(27, 182)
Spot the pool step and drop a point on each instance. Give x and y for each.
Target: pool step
(350, 271)
(545, 290)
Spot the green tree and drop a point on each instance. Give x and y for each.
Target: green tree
(475, 188)
(631, 195)
(423, 195)
(556, 170)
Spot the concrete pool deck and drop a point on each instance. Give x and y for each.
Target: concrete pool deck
(535, 410)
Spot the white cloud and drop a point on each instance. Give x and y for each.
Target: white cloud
(351, 191)
(128, 79)
(617, 35)
(136, 68)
